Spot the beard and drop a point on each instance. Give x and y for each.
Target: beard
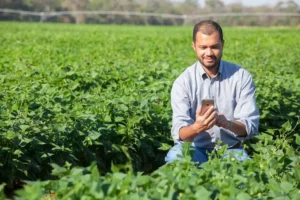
(210, 62)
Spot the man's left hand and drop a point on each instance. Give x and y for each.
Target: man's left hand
(222, 121)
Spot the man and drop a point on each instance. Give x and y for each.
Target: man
(234, 117)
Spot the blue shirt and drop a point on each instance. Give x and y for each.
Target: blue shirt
(233, 91)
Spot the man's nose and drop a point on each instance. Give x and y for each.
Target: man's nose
(209, 51)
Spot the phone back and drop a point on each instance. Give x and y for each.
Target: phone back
(205, 105)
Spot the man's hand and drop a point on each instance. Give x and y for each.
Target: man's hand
(236, 127)
(205, 121)
(202, 123)
(222, 121)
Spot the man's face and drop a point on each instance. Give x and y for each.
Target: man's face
(208, 49)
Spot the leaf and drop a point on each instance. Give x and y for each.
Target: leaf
(123, 107)
(107, 118)
(297, 139)
(164, 147)
(18, 152)
(57, 170)
(15, 107)
(2, 187)
(114, 168)
(142, 180)
(74, 86)
(297, 173)
(119, 175)
(2, 123)
(286, 186)
(10, 135)
(94, 135)
(270, 131)
(287, 126)
(25, 140)
(243, 196)
(24, 127)
(119, 119)
(203, 193)
(47, 155)
(187, 149)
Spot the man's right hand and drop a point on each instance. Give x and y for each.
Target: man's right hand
(205, 121)
(202, 123)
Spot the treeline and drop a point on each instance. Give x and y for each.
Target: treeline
(185, 7)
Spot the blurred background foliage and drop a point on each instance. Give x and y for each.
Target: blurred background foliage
(181, 8)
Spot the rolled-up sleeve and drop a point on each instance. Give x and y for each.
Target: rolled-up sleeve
(181, 107)
(246, 110)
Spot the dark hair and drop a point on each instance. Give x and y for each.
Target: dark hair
(207, 27)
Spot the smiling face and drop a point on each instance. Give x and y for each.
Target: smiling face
(208, 49)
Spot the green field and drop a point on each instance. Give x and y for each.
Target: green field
(85, 113)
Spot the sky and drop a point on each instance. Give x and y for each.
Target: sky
(252, 2)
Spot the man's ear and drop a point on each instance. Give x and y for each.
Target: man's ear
(194, 46)
(223, 43)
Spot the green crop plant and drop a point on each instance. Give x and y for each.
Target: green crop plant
(85, 113)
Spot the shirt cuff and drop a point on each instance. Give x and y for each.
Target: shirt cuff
(249, 129)
(175, 131)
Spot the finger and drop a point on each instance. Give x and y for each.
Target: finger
(210, 118)
(220, 116)
(224, 123)
(217, 123)
(212, 123)
(209, 112)
(198, 111)
(221, 120)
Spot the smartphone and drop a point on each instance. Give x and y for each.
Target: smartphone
(206, 104)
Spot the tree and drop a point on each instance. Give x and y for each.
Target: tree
(214, 4)
(189, 6)
(76, 5)
(43, 5)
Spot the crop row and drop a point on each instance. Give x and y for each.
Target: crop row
(84, 94)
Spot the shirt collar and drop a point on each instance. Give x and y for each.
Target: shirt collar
(203, 73)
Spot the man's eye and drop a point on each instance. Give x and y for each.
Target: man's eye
(216, 47)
